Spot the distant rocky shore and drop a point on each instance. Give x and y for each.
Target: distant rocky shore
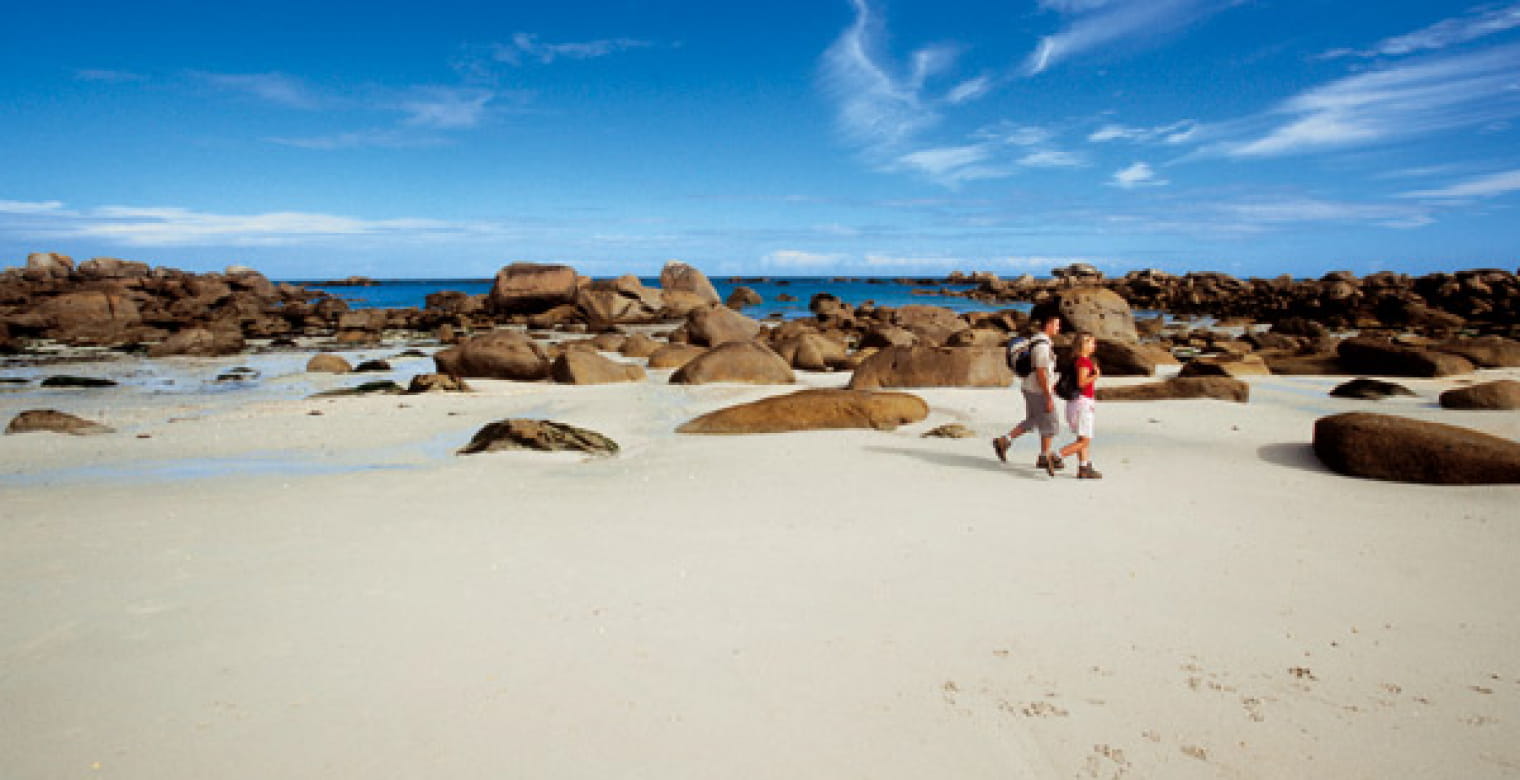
(1434, 325)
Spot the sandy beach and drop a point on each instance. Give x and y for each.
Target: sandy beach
(258, 590)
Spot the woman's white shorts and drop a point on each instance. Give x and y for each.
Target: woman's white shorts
(1080, 414)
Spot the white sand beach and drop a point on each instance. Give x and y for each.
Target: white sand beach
(255, 590)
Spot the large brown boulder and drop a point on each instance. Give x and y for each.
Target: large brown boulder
(1381, 446)
(674, 355)
(812, 352)
(737, 361)
(52, 420)
(530, 288)
(1382, 357)
(88, 315)
(1499, 394)
(501, 354)
(712, 325)
(682, 278)
(200, 342)
(1122, 358)
(584, 367)
(1098, 311)
(809, 410)
(933, 367)
(541, 435)
(1485, 351)
(1221, 388)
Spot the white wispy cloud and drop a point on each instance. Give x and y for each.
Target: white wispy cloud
(876, 108)
(1052, 158)
(1477, 23)
(108, 76)
(171, 226)
(445, 108)
(1137, 175)
(1308, 210)
(277, 88)
(526, 47)
(1491, 185)
(792, 259)
(1174, 133)
(1102, 24)
(31, 207)
(969, 90)
(1443, 93)
(373, 138)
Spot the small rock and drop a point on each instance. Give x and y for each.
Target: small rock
(372, 365)
(950, 431)
(77, 381)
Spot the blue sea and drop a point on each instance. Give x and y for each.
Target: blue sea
(404, 293)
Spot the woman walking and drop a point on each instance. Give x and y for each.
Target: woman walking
(1080, 411)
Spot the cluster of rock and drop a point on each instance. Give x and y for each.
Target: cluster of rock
(1487, 300)
(110, 302)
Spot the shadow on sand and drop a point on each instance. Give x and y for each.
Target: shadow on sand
(1295, 455)
(957, 461)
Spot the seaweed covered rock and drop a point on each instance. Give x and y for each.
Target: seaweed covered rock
(1399, 449)
(540, 435)
(54, 421)
(817, 409)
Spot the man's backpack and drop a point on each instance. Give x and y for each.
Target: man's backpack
(1021, 356)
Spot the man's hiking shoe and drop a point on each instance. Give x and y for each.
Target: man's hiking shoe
(1047, 463)
(1088, 472)
(1000, 446)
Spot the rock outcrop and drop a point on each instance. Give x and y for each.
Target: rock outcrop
(1383, 357)
(818, 409)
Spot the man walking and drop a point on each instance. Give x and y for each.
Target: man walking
(1039, 389)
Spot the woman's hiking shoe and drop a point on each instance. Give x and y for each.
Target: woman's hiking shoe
(1088, 472)
(1000, 446)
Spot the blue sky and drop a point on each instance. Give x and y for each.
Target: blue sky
(870, 137)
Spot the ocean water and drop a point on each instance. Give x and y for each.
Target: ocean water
(403, 293)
